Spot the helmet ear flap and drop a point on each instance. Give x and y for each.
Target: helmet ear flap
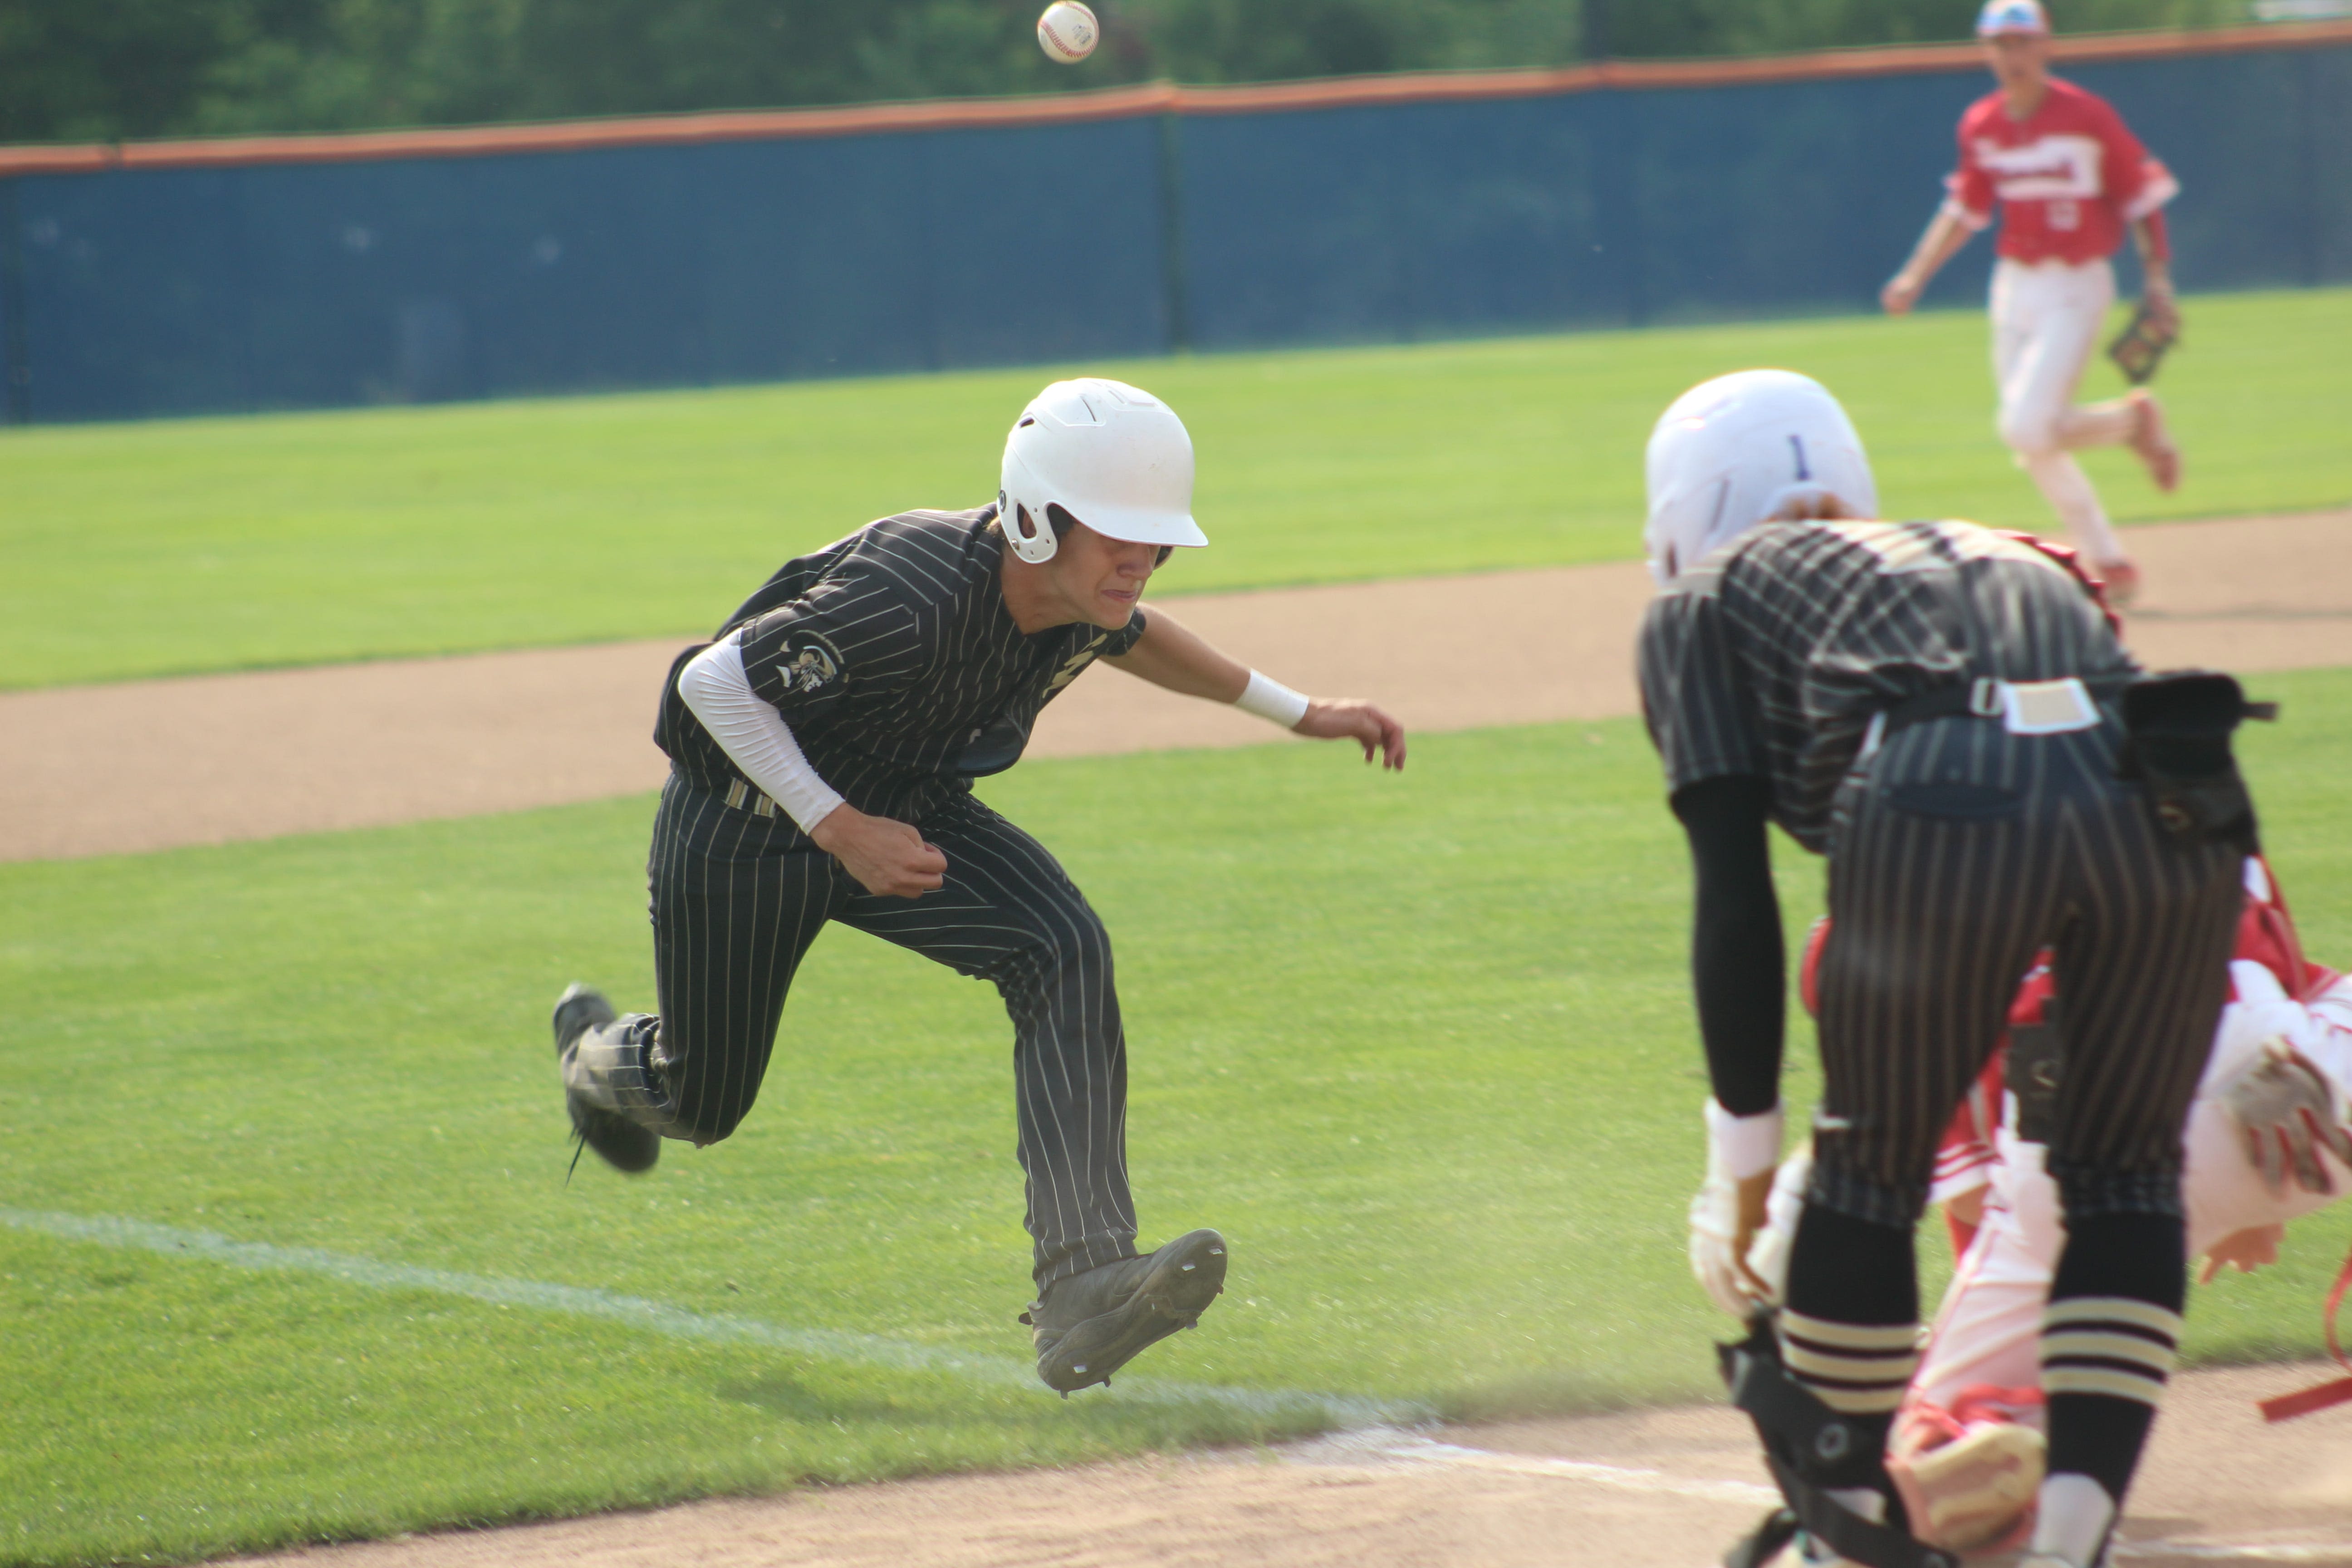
(1031, 537)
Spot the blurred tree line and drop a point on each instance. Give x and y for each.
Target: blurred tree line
(109, 69)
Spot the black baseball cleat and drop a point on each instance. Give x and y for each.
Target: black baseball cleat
(1089, 1325)
(622, 1143)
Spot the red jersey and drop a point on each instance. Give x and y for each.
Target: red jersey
(2068, 177)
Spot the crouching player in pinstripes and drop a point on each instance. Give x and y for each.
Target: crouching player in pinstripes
(1945, 713)
(2266, 1142)
(822, 751)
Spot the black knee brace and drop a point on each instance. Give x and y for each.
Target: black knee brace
(1812, 1450)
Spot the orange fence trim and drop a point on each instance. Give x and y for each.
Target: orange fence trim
(1119, 103)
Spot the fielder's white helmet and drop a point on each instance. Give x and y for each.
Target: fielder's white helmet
(1743, 449)
(2004, 16)
(1111, 454)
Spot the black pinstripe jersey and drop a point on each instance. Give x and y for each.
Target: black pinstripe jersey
(892, 655)
(1767, 658)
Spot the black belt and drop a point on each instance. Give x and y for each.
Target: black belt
(2048, 707)
(1979, 699)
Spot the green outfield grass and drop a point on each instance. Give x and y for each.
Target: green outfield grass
(213, 544)
(1421, 1046)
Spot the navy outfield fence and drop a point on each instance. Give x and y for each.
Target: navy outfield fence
(286, 272)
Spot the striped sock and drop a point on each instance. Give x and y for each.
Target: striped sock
(2108, 1340)
(1855, 1369)
(2115, 1347)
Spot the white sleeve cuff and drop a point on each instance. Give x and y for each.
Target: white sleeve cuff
(750, 731)
(2158, 188)
(1742, 1146)
(1272, 701)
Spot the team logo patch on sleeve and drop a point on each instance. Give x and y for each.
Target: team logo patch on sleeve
(810, 663)
(1074, 665)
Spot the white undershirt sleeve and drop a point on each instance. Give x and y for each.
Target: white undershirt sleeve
(749, 730)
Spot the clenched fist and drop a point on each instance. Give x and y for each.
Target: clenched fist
(888, 858)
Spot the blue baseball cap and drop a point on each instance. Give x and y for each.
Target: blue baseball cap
(2006, 17)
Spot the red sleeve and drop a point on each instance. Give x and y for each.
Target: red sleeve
(1969, 194)
(1965, 1158)
(2267, 936)
(2124, 162)
(2138, 185)
(1809, 969)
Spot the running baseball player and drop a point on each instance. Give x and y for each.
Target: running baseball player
(822, 749)
(2068, 177)
(2266, 1142)
(1945, 713)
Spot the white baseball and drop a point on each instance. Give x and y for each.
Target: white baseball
(1069, 32)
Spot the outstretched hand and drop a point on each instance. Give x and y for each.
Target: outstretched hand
(888, 858)
(2243, 1250)
(1354, 719)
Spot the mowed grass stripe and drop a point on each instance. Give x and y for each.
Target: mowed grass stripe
(1421, 1046)
(174, 547)
(856, 1350)
(161, 1409)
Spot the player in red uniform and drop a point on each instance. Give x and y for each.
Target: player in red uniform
(2069, 177)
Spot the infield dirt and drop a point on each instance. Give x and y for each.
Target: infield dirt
(213, 759)
(1662, 1488)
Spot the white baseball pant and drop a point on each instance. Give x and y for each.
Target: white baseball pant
(2046, 318)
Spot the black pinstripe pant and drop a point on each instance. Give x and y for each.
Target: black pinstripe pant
(737, 899)
(1960, 850)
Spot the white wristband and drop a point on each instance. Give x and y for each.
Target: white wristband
(1272, 701)
(1743, 1146)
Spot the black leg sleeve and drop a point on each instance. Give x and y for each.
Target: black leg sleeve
(1738, 965)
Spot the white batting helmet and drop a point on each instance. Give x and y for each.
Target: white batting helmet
(1111, 454)
(1740, 449)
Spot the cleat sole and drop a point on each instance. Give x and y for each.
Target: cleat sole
(1173, 1298)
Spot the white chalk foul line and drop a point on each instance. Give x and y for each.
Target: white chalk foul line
(1390, 1445)
(1344, 1410)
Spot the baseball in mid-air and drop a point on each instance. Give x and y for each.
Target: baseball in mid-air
(1069, 32)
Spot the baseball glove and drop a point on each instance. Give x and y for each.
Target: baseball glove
(2139, 348)
(2286, 1113)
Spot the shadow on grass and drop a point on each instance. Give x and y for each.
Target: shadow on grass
(788, 1398)
(1561, 1393)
